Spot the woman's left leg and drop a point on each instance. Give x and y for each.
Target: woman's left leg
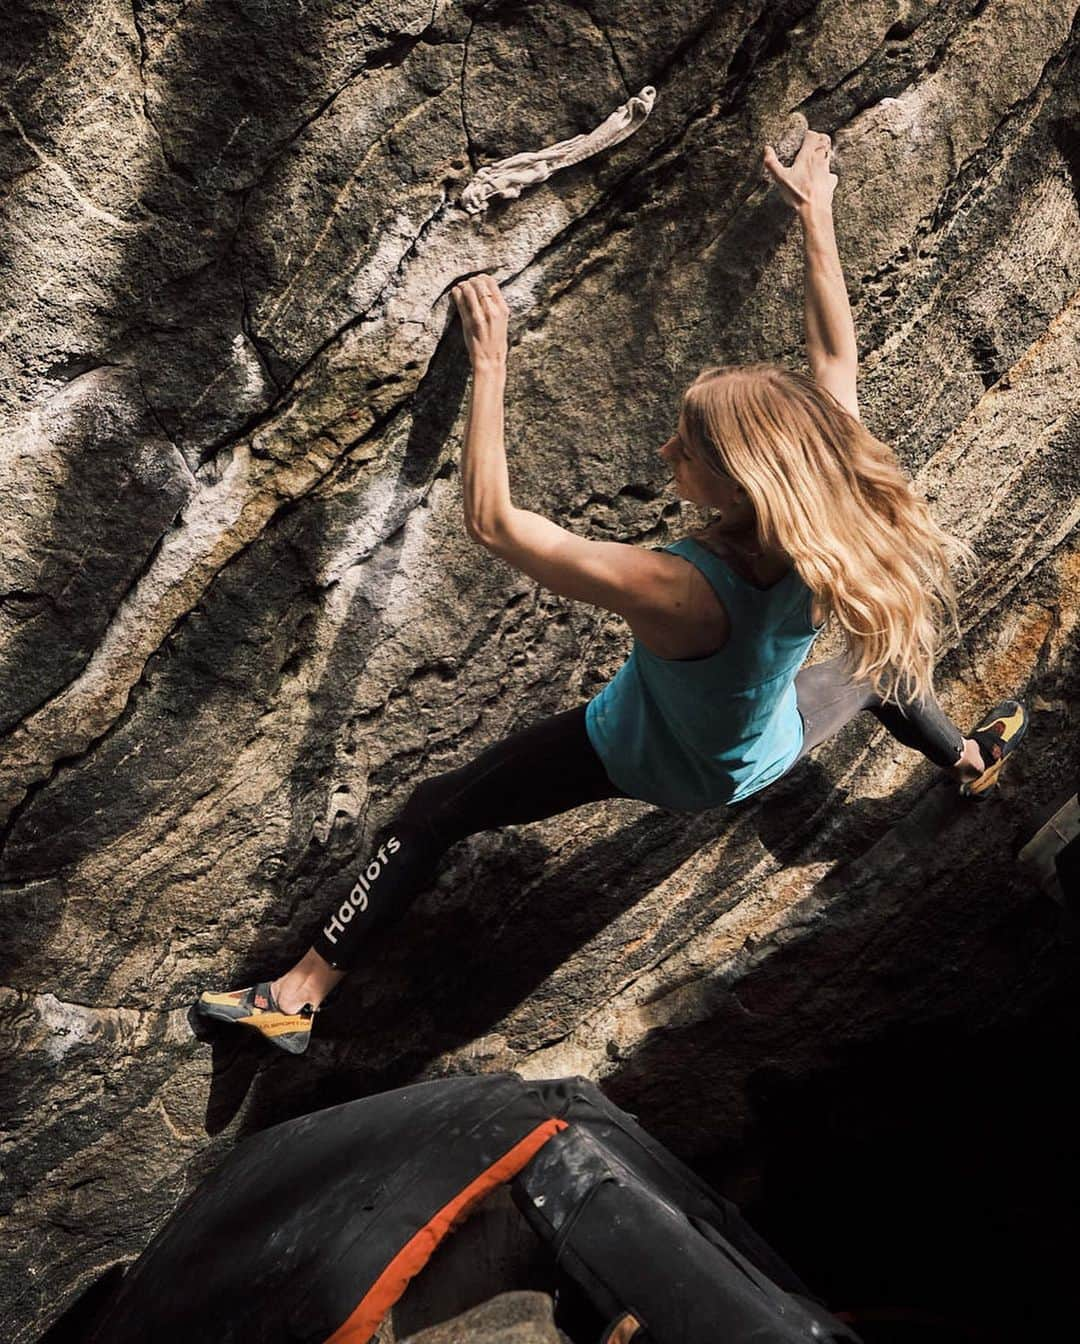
(538, 772)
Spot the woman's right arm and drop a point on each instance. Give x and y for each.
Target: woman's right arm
(830, 331)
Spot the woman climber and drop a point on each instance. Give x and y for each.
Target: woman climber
(813, 518)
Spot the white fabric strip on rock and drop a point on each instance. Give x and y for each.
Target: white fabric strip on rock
(509, 177)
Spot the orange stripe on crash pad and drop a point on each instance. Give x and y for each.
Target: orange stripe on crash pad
(418, 1250)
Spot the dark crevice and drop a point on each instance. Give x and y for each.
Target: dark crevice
(611, 47)
(988, 361)
(870, 98)
(141, 35)
(684, 47)
(937, 57)
(972, 175)
(302, 126)
(26, 598)
(892, 84)
(69, 367)
(824, 91)
(768, 37)
(176, 169)
(464, 99)
(641, 491)
(899, 32)
(1066, 137)
(151, 408)
(249, 329)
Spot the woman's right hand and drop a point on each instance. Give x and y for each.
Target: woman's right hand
(810, 181)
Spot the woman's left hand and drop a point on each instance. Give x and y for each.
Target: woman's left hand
(484, 313)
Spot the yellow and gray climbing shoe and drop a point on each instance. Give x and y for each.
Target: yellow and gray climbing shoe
(257, 1008)
(998, 734)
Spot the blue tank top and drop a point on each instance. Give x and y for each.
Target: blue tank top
(693, 733)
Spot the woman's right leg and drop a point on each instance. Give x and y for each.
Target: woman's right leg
(539, 771)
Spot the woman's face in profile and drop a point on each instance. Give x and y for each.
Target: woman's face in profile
(700, 484)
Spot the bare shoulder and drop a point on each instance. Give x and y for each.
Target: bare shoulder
(688, 620)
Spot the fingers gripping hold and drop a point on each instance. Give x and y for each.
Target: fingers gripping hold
(810, 178)
(484, 314)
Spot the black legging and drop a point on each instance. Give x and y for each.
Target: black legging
(551, 767)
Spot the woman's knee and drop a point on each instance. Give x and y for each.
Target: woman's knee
(430, 807)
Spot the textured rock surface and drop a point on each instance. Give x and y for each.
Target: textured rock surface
(240, 618)
(512, 1318)
(492, 1253)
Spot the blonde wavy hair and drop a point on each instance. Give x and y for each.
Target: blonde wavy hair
(836, 499)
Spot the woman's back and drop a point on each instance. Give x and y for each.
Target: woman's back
(690, 733)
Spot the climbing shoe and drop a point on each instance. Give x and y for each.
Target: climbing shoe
(257, 1008)
(998, 734)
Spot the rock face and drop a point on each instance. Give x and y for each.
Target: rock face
(511, 1318)
(240, 618)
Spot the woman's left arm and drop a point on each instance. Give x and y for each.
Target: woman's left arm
(485, 481)
(484, 476)
(629, 580)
